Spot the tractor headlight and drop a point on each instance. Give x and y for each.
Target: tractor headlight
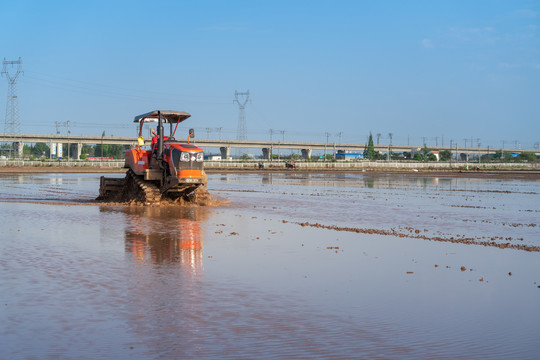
(184, 156)
(200, 156)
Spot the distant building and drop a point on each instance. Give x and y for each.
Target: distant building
(349, 155)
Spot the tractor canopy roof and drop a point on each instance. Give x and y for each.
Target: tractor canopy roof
(167, 116)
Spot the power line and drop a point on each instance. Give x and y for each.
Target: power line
(90, 88)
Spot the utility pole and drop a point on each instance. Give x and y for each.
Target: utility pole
(327, 134)
(478, 143)
(68, 133)
(102, 135)
(219, 129)
(208, 133)
(390, 146)
(451, 152)
(339, 135)
(378, 137)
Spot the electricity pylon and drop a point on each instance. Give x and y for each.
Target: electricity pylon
(241, 98)
(12, 124)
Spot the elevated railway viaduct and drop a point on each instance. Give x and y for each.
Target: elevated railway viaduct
(76, 141)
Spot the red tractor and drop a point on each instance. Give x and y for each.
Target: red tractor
(167, 168)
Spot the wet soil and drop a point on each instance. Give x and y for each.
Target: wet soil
(409, 232)
(199, 197)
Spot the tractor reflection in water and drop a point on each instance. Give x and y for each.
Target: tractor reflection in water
(149, 239)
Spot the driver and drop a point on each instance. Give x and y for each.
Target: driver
(154, 138)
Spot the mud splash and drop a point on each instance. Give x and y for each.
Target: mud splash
(199, 197)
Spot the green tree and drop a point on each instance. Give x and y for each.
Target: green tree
(507, 157)
(101, 150)
(425, 153)
(41, 149)
(396, 156)
(369, 150)
(87, 149)
(445, 155)
(116, 151)
(527, 156)
(27, 150)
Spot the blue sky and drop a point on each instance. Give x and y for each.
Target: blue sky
(416, 69)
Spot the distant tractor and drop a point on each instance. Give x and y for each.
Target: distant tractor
(167, 169)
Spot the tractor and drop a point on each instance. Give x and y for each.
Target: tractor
(167, 168)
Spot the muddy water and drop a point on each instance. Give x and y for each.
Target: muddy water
(275, 273)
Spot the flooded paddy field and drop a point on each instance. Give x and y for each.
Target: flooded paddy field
(290, 265)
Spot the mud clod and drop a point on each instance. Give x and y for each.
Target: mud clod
(461, 240)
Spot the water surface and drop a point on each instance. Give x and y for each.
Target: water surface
(245, 280)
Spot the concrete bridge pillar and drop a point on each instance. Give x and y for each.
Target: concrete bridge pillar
(225, 152)
(306, 153)
(75, 150)
(267, 153)
(18, 149)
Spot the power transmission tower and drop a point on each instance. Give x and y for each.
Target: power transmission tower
(241, 98)
(12, 124)
(340, 135)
